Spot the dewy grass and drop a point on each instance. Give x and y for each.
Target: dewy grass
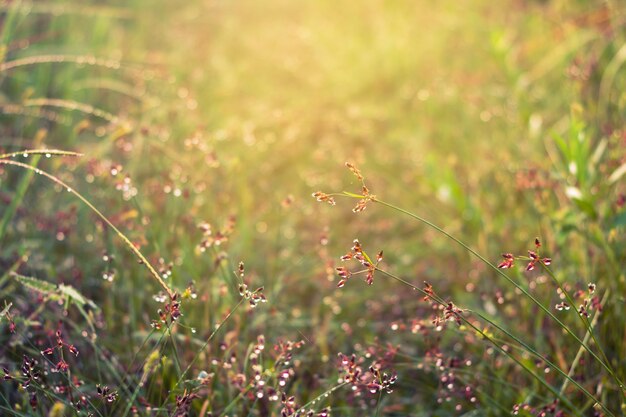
(121, 235)
(221, 129)
(57, 59)
(72, 105)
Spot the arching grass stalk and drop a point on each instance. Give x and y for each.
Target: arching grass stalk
(55, 59)
(72, 105)
(499, 347)
(121, 235)
(605, 365)
(46, 152)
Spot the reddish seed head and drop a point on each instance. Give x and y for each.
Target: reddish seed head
(507, 262)
(324, 198)
(73, 350)
(562, 306)
(347, 256)
(360, 206)
(354, 170)
(62, 366)
(343, 272)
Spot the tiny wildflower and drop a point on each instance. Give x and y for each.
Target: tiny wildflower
(324, 198)
(562, 306)
(534, 259)
(254, 297)
(170, 312)
(591, 287)
(508, 261)
(106, 394)
(62, 366)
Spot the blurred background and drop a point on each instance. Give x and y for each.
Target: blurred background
(498, 121)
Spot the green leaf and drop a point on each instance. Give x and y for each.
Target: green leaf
(35, 284)
(72, 294)
(349, 194)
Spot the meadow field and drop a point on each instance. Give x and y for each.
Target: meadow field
(313, 208)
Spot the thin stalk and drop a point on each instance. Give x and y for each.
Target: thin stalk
(173, 342)
(606, 366)
(380, 397)
(587, 324)
(197, 355)
(580, 352)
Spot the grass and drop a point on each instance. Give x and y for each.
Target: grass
(190, 138)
